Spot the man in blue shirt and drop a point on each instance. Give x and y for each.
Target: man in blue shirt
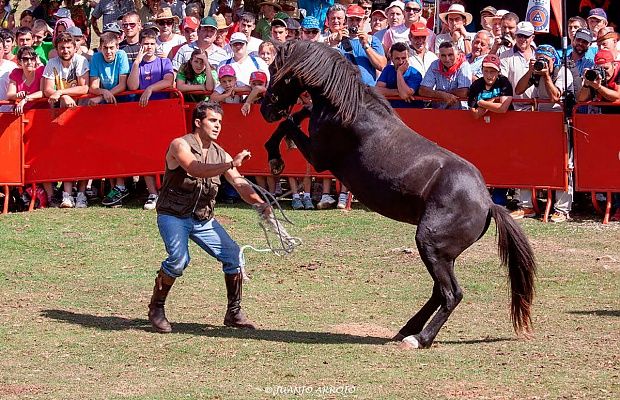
(109, 68)
(400, 79)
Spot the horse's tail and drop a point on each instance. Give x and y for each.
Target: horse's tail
(516, 254)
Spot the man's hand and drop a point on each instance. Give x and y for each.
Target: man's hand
(450, 98)
(144, 99)
(108, 96)
(55, 97)
(140, 55)
(241, 157)
(245, 109)
(93, 101)
(403, 68)
(363, 37)
(67, 101)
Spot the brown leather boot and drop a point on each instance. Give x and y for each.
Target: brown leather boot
(157, 314)
(235, 316)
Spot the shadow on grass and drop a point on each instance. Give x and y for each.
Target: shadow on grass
(598, 313)
(112, 323)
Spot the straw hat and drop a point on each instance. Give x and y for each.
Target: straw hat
(459, 10)
(165, 13)
(273, 3)
(221, 22)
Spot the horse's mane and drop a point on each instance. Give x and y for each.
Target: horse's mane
(319, 66)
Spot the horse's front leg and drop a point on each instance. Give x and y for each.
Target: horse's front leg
(276, 164)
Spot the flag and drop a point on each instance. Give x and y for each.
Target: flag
(539, 14)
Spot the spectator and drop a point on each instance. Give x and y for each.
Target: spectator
(396, 24)
(46, 10)
(111, 11)
(65, 76)
(196, 75)
(574, 24)
(448, 78)
(268, 9)
(310, 29)
(167, 39)
(399, 78)
(267, 52)
(177, 7)
(378, 24)
(131, 26)
(317, 9)
(189, 28)
(279, 32)
(258, 83)
(486, 18)
(9, 44)
(151, 74)
(79, 17)
(40, 32)
(6, 67)
(420, 57)
(597, 20)
(23, 38)
(229, 88)
(515, 62)
(109, 69)
(367, 6)
(216, 5)
(456, 19)
(608, 40)
(244, 64)
(26, 19)
(480, 47)
(150, 9)
(579, 51)
(507, 37)
(25, 81)
(247, 24)
(548, 81)
(7, 18)
(599, 89)
(293, 29)
(206, 37)
(492, 92)
(80, 42)
(221, 37)
(194, 10)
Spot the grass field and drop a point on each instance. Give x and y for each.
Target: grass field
(76, 284)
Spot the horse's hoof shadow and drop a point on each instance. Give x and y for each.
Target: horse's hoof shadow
(276, 165)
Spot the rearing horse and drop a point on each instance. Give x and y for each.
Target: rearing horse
(355, 134)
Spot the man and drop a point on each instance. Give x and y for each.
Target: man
(456, 19)
(492, 92)
(131, 26)
(579, 51)
(65, 76)
(486, 15)
(397, 30)
(278, 33)
(310, 29)
(189, 29)
(111, 11)
(480, 47)
(6, 67)
(167, 39)
(574, 24)
(317, 9)
(378, 24)
(244, 64)
(39, 34)
(548, 81)
(400, 79)
(268, 9)
(247, 24)
(293, 29)
(448, 78)
(515, 62)
(206, 36)
(420, 57)
(608, 40)
(599, 89)
(195, 161)
(506, 39)
(597, 20)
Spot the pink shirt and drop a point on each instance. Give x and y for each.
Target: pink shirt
(17, 75)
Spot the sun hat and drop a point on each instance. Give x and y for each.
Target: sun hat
(165, 13)
(458, 9)
(273, 3)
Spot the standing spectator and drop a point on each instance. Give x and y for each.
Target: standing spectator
(150, 9)
(196, 75)
(268, 9)
(6, 67)
(448, 78)
(317, 9)
(599, 89)
(244, 64)
(420, 57)
(579, 51)
(111, 11)
(608, 40)
(574, 24)
(189, 28)
(310, 29)
(194, 10)
(456, 19)
(25, 81)
(515, 62)
(167, 39)
(507, 37)
(279, 33)
(597, 20)
(40, 32)
(131, 26)
(492, 92)
(367, 6)
(399, 78)
(396, 24)
(9, 44)
(486, 15)
(7, 18)
(378, 24)
(26, 19)
(65, 76)
(177, 7)
(221, 37)
(480, 47)
(247, 24)
(267, 52)
(151, 74)
(80, 42)
(206, 37)
(293, 29)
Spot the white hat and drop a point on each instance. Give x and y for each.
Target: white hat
(238, 37)
(498, 15)
(396, 3)
(456, 9)
(525, 28)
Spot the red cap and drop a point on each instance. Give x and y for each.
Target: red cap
(492, 61)
(418, 29)
(603, 57)
(190, 22)
(355, 11)
(258, 76)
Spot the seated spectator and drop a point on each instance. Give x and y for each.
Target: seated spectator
(63, 77)
(378, 24)
(456, 19)
(448, 78)
(492, 92)
(196, 75)
(151, 74)
(420, 57)
(515, 62)
(243, 63)
(608, 40)
(400, 79)
(367, 6)
(167, 39)
(229, 88)
(480, 47)
(206, 36)
(267, 52)
(310, 29)
(597, 20)
(131, 26)
(247, 24)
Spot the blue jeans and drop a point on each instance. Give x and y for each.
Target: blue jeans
(209, 235)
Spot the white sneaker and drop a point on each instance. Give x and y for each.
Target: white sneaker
(326, 202)
(81, 201)
(342, 200)
(67, 201)
(151, 202)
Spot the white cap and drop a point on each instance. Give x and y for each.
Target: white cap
(525, 28)
(396, 3)
(238, 37)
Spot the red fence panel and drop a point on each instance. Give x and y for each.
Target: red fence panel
(597, 152)
(100, 141)
(11, 150)
(515, 149)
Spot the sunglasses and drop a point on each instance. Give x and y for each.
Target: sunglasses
(311, 31)
(520, 36)
(163, 22)
(129, 25)
(24, 59)
(413, 9)
(367, 7)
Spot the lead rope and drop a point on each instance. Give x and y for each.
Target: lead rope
(270, 223)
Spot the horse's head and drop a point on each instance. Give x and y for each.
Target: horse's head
(284, 88)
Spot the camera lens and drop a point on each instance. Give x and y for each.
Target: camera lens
(539, 65)
(591, 75)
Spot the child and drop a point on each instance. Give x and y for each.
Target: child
(228, 88)
(267, 51)
(196, 75)
(258, 83)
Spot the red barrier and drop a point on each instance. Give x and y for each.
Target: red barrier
(100, 141)
(516, 149)
(11, 150)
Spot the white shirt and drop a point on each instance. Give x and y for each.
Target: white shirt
(245, 68)
(421, 63)
(163, 48)
(446, 37)
(66, 77)
(513, 66)
(5, 69)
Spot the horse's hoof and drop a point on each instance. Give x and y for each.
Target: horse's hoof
(276, 166)
(408, 343)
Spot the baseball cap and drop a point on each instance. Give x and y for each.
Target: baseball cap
(355, 11)
(150, 25)
(597, 13)
(378, 11)
(63, 13)
(258, 76)
(190, 22)
(585, 34)
(396, 3)
(238, 37)
(525, 28)
(226, 70)
(112, 27)
(208, 21)
(75, 31)
(310, 22)
(278, 22)
(292, 23)
(489, 9)
(418, 29)
(603, 57)
(491, 61)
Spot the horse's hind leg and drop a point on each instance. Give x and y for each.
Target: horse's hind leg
(417, 322)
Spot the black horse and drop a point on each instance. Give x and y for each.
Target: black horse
(355, 134)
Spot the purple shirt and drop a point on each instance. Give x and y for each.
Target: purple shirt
(154, 71)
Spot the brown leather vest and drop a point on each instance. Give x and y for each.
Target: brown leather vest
(183, 195)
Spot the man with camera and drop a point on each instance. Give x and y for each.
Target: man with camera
(507, 38)
(602, 82)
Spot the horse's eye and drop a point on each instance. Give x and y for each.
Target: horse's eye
(287, 81)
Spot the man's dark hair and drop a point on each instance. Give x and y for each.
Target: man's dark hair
(6, 34)
(399, 46)
(26, 51)
(22, 30)
(511, 16)
(582, 22)
(64, 37)
(130, 14)
(447, 45)
(248, 17)
(148, 33)
(200, 112)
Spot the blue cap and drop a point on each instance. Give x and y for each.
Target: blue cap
(598, 13)
(310, 22)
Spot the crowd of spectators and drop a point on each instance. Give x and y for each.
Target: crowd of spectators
(223, 50)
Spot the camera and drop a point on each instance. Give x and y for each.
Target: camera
(346, 42)
(353, 30)
(505, 41)
(540, 64)
(595, 73)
